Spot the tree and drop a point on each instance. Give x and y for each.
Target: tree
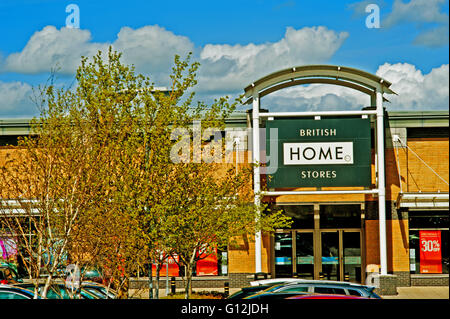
(49, 183)
(108, 188)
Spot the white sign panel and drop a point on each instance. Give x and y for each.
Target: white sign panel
(318, 153)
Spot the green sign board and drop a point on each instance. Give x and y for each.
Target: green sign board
(319, 153)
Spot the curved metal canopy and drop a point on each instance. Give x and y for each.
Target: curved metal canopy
(329, 74)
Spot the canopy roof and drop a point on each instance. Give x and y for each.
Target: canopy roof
(328, 74)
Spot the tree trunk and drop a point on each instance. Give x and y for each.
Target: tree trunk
(188, 287)
(158, 269)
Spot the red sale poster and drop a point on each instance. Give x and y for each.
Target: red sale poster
(430, 252)
(208, 265)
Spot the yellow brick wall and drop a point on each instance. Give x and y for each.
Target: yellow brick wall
(414, 174)
(241, 256)
(397, 244)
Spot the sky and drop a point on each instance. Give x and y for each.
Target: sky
(236, 43)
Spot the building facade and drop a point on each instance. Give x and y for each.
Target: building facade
(336, 236)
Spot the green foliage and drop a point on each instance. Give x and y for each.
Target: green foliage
(101, 170)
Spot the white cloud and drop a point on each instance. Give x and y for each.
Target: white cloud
(150, 48)
(435, 37)
(420, 11)
(225, 69)
(315, 97)
(233, 67)
(416, 91)
(52, 48)
(15, 100)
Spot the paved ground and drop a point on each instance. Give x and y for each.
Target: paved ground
(419, 292)
(416, 292)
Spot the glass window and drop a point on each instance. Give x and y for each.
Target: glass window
(340, 216)
(428, 242)
(354, 292)
(283, 254)
(419, 219)
(295, 289)
(329, 290)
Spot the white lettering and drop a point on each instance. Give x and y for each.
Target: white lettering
(318, 153)
(318, 174)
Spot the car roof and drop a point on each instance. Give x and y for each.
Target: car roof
(15, 288)
(292, 281)
(326, 296)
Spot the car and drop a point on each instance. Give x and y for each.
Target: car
(59, 291)
(99, 290)
(248, 291)
(92, 274)
(325, 296)
(8, 275)
(11, 292)
(273, 281)
(273, 296)
(324, 287)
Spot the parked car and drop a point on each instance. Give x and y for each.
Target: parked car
(8, 275)
(248, 291)
(273, 281)
(99, 290)
(11, 292)
(59, 291)
(269, 296)
(92, 274)
(324, 287)
(325, 296)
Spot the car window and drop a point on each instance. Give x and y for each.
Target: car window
(11, 295)
(329, 290)
(95, 292)
(354, 292)
(295, 289)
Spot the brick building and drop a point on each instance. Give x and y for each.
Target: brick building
(336, 236)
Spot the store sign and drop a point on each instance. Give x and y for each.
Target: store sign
(316, 153)
(430, 252)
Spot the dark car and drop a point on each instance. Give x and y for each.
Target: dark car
(59, 291)
(8, 275)
(98, 290)
(273, 296)
(10, 292)
(324, 296)
(248, 291)
(324, 287)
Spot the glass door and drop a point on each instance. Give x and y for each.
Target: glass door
(304, 255)
(351, 242)
(283, 254)
(330, 255)
(341, 255)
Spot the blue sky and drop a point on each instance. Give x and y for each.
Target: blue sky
(236, 42)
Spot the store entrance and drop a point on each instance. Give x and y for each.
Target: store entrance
(341, 255)
(332, 254)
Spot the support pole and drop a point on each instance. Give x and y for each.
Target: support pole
(381, 183)
(256, 176)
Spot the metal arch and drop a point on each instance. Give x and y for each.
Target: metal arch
(287, 84)
(357, 79)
